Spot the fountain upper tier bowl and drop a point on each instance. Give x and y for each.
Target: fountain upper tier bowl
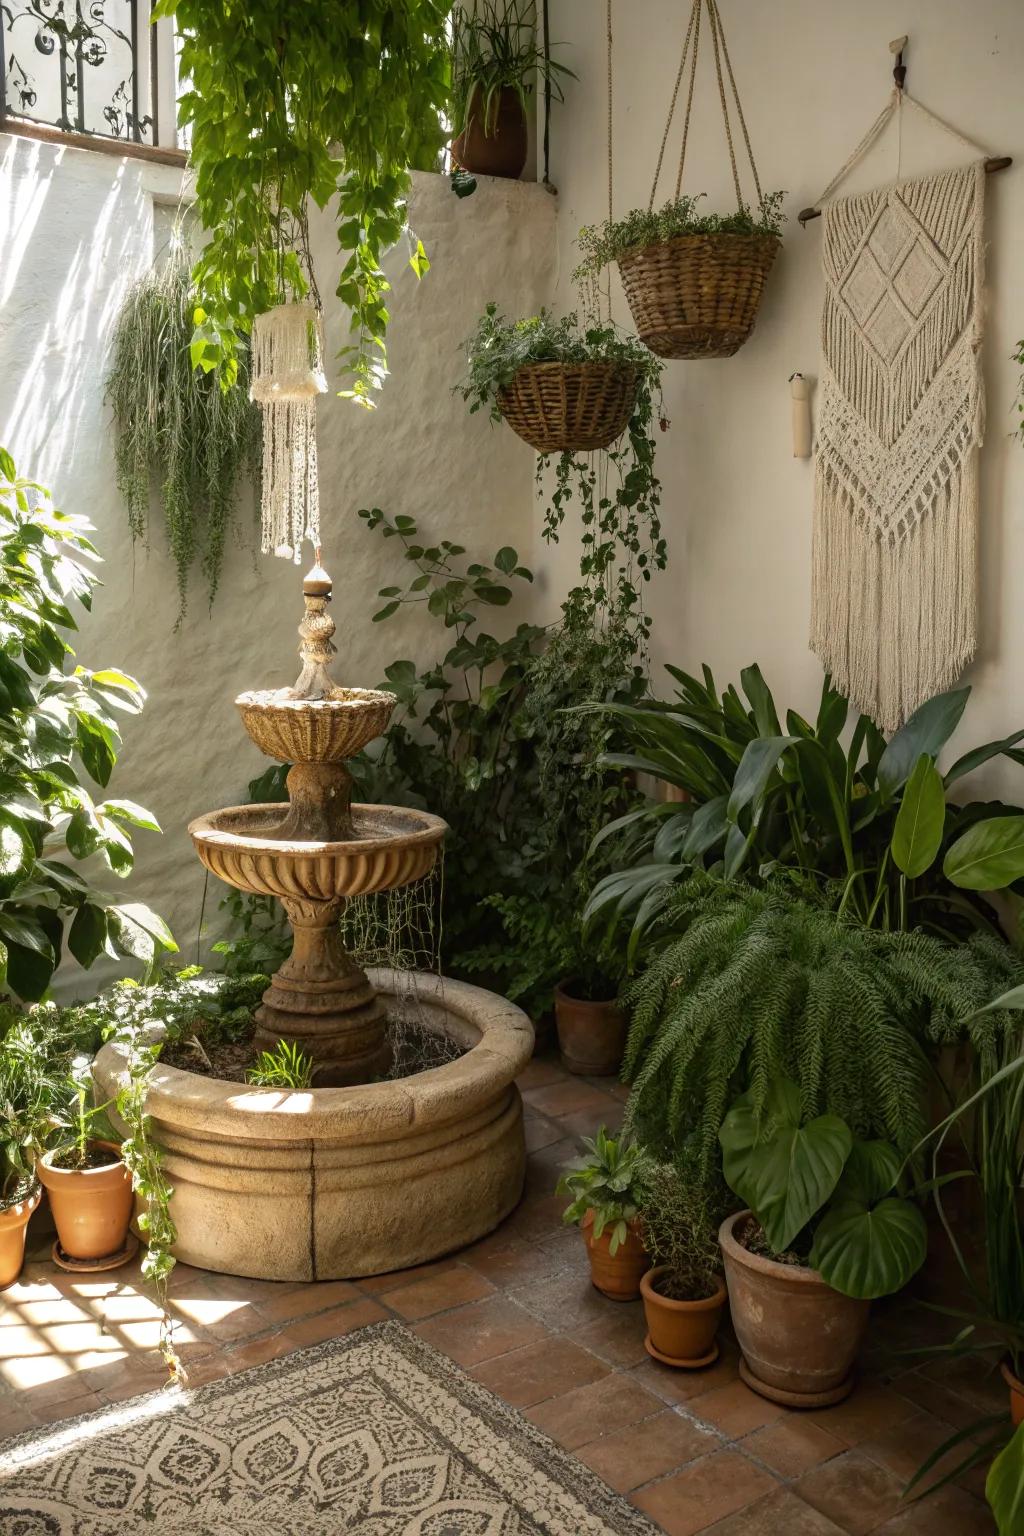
(323, 730)
(390, 846)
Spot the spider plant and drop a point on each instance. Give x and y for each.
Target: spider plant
(286, 1066)
(495, 48)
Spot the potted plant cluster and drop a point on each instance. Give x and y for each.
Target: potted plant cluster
(605, 1189)
(495, 60)
(560, 385)
(694, 281)
(684, 1293)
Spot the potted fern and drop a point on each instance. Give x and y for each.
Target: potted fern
(825, 1232)
(495, 58)
(605, 1189)
(561, 386)
(693, 281)
(684, 1294)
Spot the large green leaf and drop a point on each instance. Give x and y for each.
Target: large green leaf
(1004, 1486)
(866, 1251)
(757, 765)
(917, 835)
(927, 730)
(983, 754)
(786, 1172)
(87, 936)
(760, 695)
(871, 1171)
(989, 856)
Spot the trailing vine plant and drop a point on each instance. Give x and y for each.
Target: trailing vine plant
(292, 105)
(173, 423)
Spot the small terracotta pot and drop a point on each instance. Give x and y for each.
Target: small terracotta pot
(502, 150)
(91, 1206)
(799, 1337)
(1016, 1387)
(681, 1333)
(13, 1228)
(591, 1036)
(617, 1275)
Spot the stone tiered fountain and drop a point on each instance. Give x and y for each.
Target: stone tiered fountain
(353, 1176)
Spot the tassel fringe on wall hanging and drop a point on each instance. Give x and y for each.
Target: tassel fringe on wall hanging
(287, 375)
(894, 584)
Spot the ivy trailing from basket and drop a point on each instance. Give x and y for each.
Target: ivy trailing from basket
(175, 425)
(601, 244)
(296, 105)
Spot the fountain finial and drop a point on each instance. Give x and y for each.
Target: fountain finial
(315, 631)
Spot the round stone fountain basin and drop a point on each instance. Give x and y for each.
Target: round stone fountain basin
(392, 846)
(334, 1183)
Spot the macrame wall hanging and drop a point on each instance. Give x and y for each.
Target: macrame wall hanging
(287, 375)
(894, 580)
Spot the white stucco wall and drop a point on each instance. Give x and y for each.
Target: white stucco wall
(737, 506)
(76, 227)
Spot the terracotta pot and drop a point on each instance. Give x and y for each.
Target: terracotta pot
(501, 151)
(591, 1036)
(13, 1226)
(681, 1333)
(91, 1206)
(799, 1337)
(617, 1275)
(1016, 1387)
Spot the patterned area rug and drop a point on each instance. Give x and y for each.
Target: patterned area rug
(373, 1433)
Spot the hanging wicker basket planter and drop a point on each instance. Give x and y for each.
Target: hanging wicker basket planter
(695, 292)
(570, 406)
(697, 295)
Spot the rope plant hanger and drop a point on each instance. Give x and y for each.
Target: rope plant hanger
(693, 282)
(894, 594)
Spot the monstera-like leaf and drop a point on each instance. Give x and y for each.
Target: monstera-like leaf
(867, 1251)
(784, 1170)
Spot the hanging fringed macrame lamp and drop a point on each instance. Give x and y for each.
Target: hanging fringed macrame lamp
(286, 376)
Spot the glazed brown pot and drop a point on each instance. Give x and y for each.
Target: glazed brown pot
(617, 1275)
(799, 1337)
(91, 1206)
(1016, 1387)
(501, 151)
(681, 1333)
(13, 1227)
(591, 1036)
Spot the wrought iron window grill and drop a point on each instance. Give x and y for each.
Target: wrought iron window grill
(82, 68)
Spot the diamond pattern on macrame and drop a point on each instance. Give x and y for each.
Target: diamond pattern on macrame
(864, 287)
(917, 278)
(889, 238)
(890, 279)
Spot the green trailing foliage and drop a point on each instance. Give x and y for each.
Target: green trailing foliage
(58, 731)
(606, 1183)
(814, 1188)
(296, 105)
(600, 244)
(745, 984)
(186, 1004)
(176, 427)
(869, 822)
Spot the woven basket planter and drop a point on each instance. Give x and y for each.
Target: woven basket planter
(697, 295)
(575, 406)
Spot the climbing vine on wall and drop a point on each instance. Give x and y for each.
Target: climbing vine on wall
(290, 104)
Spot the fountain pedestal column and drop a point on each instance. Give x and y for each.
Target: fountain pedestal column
(321, 1001)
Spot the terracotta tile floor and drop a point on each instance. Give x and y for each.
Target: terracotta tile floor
(698, 1452)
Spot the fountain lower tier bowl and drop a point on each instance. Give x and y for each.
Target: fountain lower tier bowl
(390, 846)
(334, 1183)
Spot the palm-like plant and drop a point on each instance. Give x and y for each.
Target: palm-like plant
(495, 48)
(869, 821)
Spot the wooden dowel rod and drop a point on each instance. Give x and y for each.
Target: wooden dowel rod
(993, 164)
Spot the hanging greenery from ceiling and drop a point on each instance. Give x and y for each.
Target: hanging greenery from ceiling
(291, 103)
(175, 426)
